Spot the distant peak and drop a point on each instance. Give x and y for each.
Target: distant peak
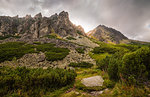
(101, 26)
(39, 15)
(28, 16)
(64, 14)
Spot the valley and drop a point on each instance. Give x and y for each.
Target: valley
(52, 57)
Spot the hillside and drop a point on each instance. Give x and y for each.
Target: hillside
(51, 57)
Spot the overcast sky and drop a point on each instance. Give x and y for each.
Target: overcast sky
(131, 17)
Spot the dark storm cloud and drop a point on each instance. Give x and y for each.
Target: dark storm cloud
(131, 17)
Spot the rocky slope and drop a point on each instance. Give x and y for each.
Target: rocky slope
(39, 26)
(106, 34)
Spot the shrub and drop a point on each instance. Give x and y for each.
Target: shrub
(8, 36)
(111, 65)
(70, 38)
(82, 65)
(53, 56)
(14, 49)
(136, 65)
(80, 50)
(33, 81)
(103, 64)
(129, 46)
(37, 43)
(53, 53)
(108, 83)
(51, 36)
(113, 68)
(105, 49)
(45, 47)
(111, 49)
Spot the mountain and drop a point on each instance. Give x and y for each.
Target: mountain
(39, 26)
(50, 56)
(106, 34)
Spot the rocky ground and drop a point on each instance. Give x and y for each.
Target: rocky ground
(39, 59)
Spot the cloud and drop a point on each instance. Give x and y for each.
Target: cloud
(131, 17)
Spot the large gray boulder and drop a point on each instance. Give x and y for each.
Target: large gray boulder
(93, 81)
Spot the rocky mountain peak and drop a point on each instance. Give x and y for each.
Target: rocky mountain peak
(37, 16)
(64, 14)
(28, 17)
(39, 26)
(107, 34)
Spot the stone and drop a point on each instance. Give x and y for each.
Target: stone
(93, 81)
(96, 92)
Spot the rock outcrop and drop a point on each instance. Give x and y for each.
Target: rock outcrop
(39, 26)
(106, 34)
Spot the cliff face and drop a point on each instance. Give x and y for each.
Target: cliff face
(108, 35)
(39, 26)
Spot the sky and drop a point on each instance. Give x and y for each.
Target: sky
(131, 17)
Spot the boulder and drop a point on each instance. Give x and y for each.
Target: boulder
(93, 81)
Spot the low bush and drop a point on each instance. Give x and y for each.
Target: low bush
(8, 36)
(23, 81)
(103, 64)
(108, 83)
(80, 50)
(70, 38)
(53, 56)
(53, 53)
(11, 50)
(14, 49)
(136, 65)
(37, 42)
(105, 49)
(113, 68)
(129, 47)
(82, 65)
(51, 36)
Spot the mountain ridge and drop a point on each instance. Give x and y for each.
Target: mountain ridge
(60, 24)
(39, 26)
